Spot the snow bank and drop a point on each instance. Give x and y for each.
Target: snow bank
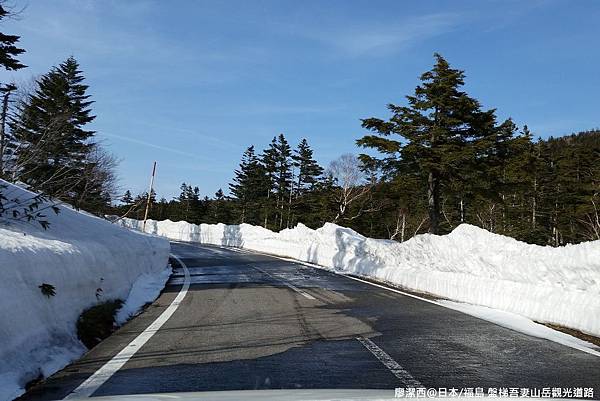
(472, 265)
(78, 254)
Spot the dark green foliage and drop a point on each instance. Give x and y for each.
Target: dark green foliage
(442, 135)
(444, 154)
(8, 47)
(97, 323)
(47, 289)
(127, 198)
(248, 187)
(308, 170)
(55, 148)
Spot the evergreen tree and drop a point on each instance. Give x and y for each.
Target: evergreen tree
(8, 53)
(308, 173)
(54, 146)
(283, 176)
(8, 47)
(308, 170)
(127, 198)
(269, 163)
(219, 209)
(247, 187)
(443, 127)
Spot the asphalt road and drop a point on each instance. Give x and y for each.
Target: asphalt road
(252, 321)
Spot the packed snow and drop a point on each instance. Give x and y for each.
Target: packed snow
(146, 288)
(470, 265)
(88, 260)
(522, 324)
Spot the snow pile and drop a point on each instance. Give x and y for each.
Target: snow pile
(472, 265)
(87, 260)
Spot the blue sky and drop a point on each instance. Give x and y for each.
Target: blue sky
(192, 84)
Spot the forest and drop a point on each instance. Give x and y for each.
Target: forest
(545, 193)
(438, 161)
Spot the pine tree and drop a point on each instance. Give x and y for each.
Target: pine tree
(269, 162)
(443, 128)
(184, 202)
(247, 187)
(8, 53)
(302, 205)
(283, 176)
(8, 47)
(307, 167)
(127, 198)
(53, 144)
(219, 209)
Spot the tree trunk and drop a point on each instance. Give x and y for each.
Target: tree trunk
(2, 132)
(403, 227)
(433, 195)
(533, 202)
(267, 208)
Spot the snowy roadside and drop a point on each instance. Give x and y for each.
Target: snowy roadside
(505, 319)
(470, 265)
(87, 260)
(523, 325)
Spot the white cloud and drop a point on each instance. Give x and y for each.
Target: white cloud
(156, 146)
(384, 37)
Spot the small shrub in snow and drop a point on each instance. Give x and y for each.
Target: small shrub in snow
(97, 323)
(47, 289)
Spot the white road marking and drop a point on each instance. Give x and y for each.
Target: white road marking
(393, 366)
(92, 383)
(293, 287)
(330, 270)
(408, 294)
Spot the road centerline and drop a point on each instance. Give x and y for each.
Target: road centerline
(293, 287)
(393, 366)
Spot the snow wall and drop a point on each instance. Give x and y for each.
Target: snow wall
(472, 265)
(78, 254)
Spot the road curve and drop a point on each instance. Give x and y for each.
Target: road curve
(251, 321)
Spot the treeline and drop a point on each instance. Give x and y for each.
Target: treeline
(44, 143)
(276, 189)
(442, 160)
(548, 195)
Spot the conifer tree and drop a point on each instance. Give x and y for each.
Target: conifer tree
(219, 208)
(9, 49)
(50, 128)
(269, 163)
(127, 198)
(283, 176)
(246, 187)
(308, 170)
(8, 60)
(443, 129)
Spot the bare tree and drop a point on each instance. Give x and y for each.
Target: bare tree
(591, 222)
(6, 91)
(352, 183)
(99, 176)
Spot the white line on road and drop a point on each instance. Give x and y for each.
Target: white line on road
(92, 383)
(390, 363)
(293, 287)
